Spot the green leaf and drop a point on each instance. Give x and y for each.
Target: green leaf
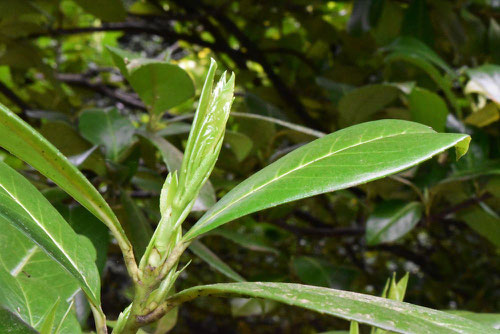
(413, 48)
(109, 10)
(428, 108)
(84, 223)
(108, 129)
(23, 141)
(484, 223)
(204, 253)
(245, 307)
(240, 144)
(42, 280)
(32, 302)
(160, 85)
(417, 22)
(387, 314)
(391, 221)
(48, 319)
(23, 206)
(247, 240)
(135, 224)
(121, 58)
(172, 157)
(318, 272)
(486, 319)
(11, 324)
(343, 159)
(485, 80)
(360, 104)
(354, 328)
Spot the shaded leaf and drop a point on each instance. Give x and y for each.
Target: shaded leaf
(485, 80)
(109, 10)
(484, 116)
(428, 108)
(204, 253)
(391, 221)
(108, 129)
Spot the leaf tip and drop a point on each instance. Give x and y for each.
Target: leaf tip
(462, 147)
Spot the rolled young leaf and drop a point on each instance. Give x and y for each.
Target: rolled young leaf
(29, 211)
(343, 159)
(387, 314)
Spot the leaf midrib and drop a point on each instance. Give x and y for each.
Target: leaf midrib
(49, 235)
(300, 167)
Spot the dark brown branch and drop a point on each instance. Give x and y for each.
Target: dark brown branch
(460, 206)
(8, 93)
(320, 232)
(115, 94)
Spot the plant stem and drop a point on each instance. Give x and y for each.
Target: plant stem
(99, 318)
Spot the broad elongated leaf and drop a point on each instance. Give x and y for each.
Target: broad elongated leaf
(387, 314)
(23, 141)
(41, 280)
(391, 221)
(25, 208)
(343, 159)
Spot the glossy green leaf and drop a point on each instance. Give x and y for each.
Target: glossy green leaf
(172, 157)
(391, 221)
(485, 80)
(108, 129)
(204, 253)
(109, 10)
(343, 159)
(360, 104)
(25, 208)
(387, 314)
(428, 108)
(23, 141)
(42, 280)
(160, 85)
(11, 324)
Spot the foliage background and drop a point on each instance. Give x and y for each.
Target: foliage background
(322, 64)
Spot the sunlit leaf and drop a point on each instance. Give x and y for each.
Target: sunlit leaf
(348, 157)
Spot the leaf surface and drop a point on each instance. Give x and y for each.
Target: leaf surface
(343, 159)
(23, 206)
(391, 221)
(387, 314)
(27, 144)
